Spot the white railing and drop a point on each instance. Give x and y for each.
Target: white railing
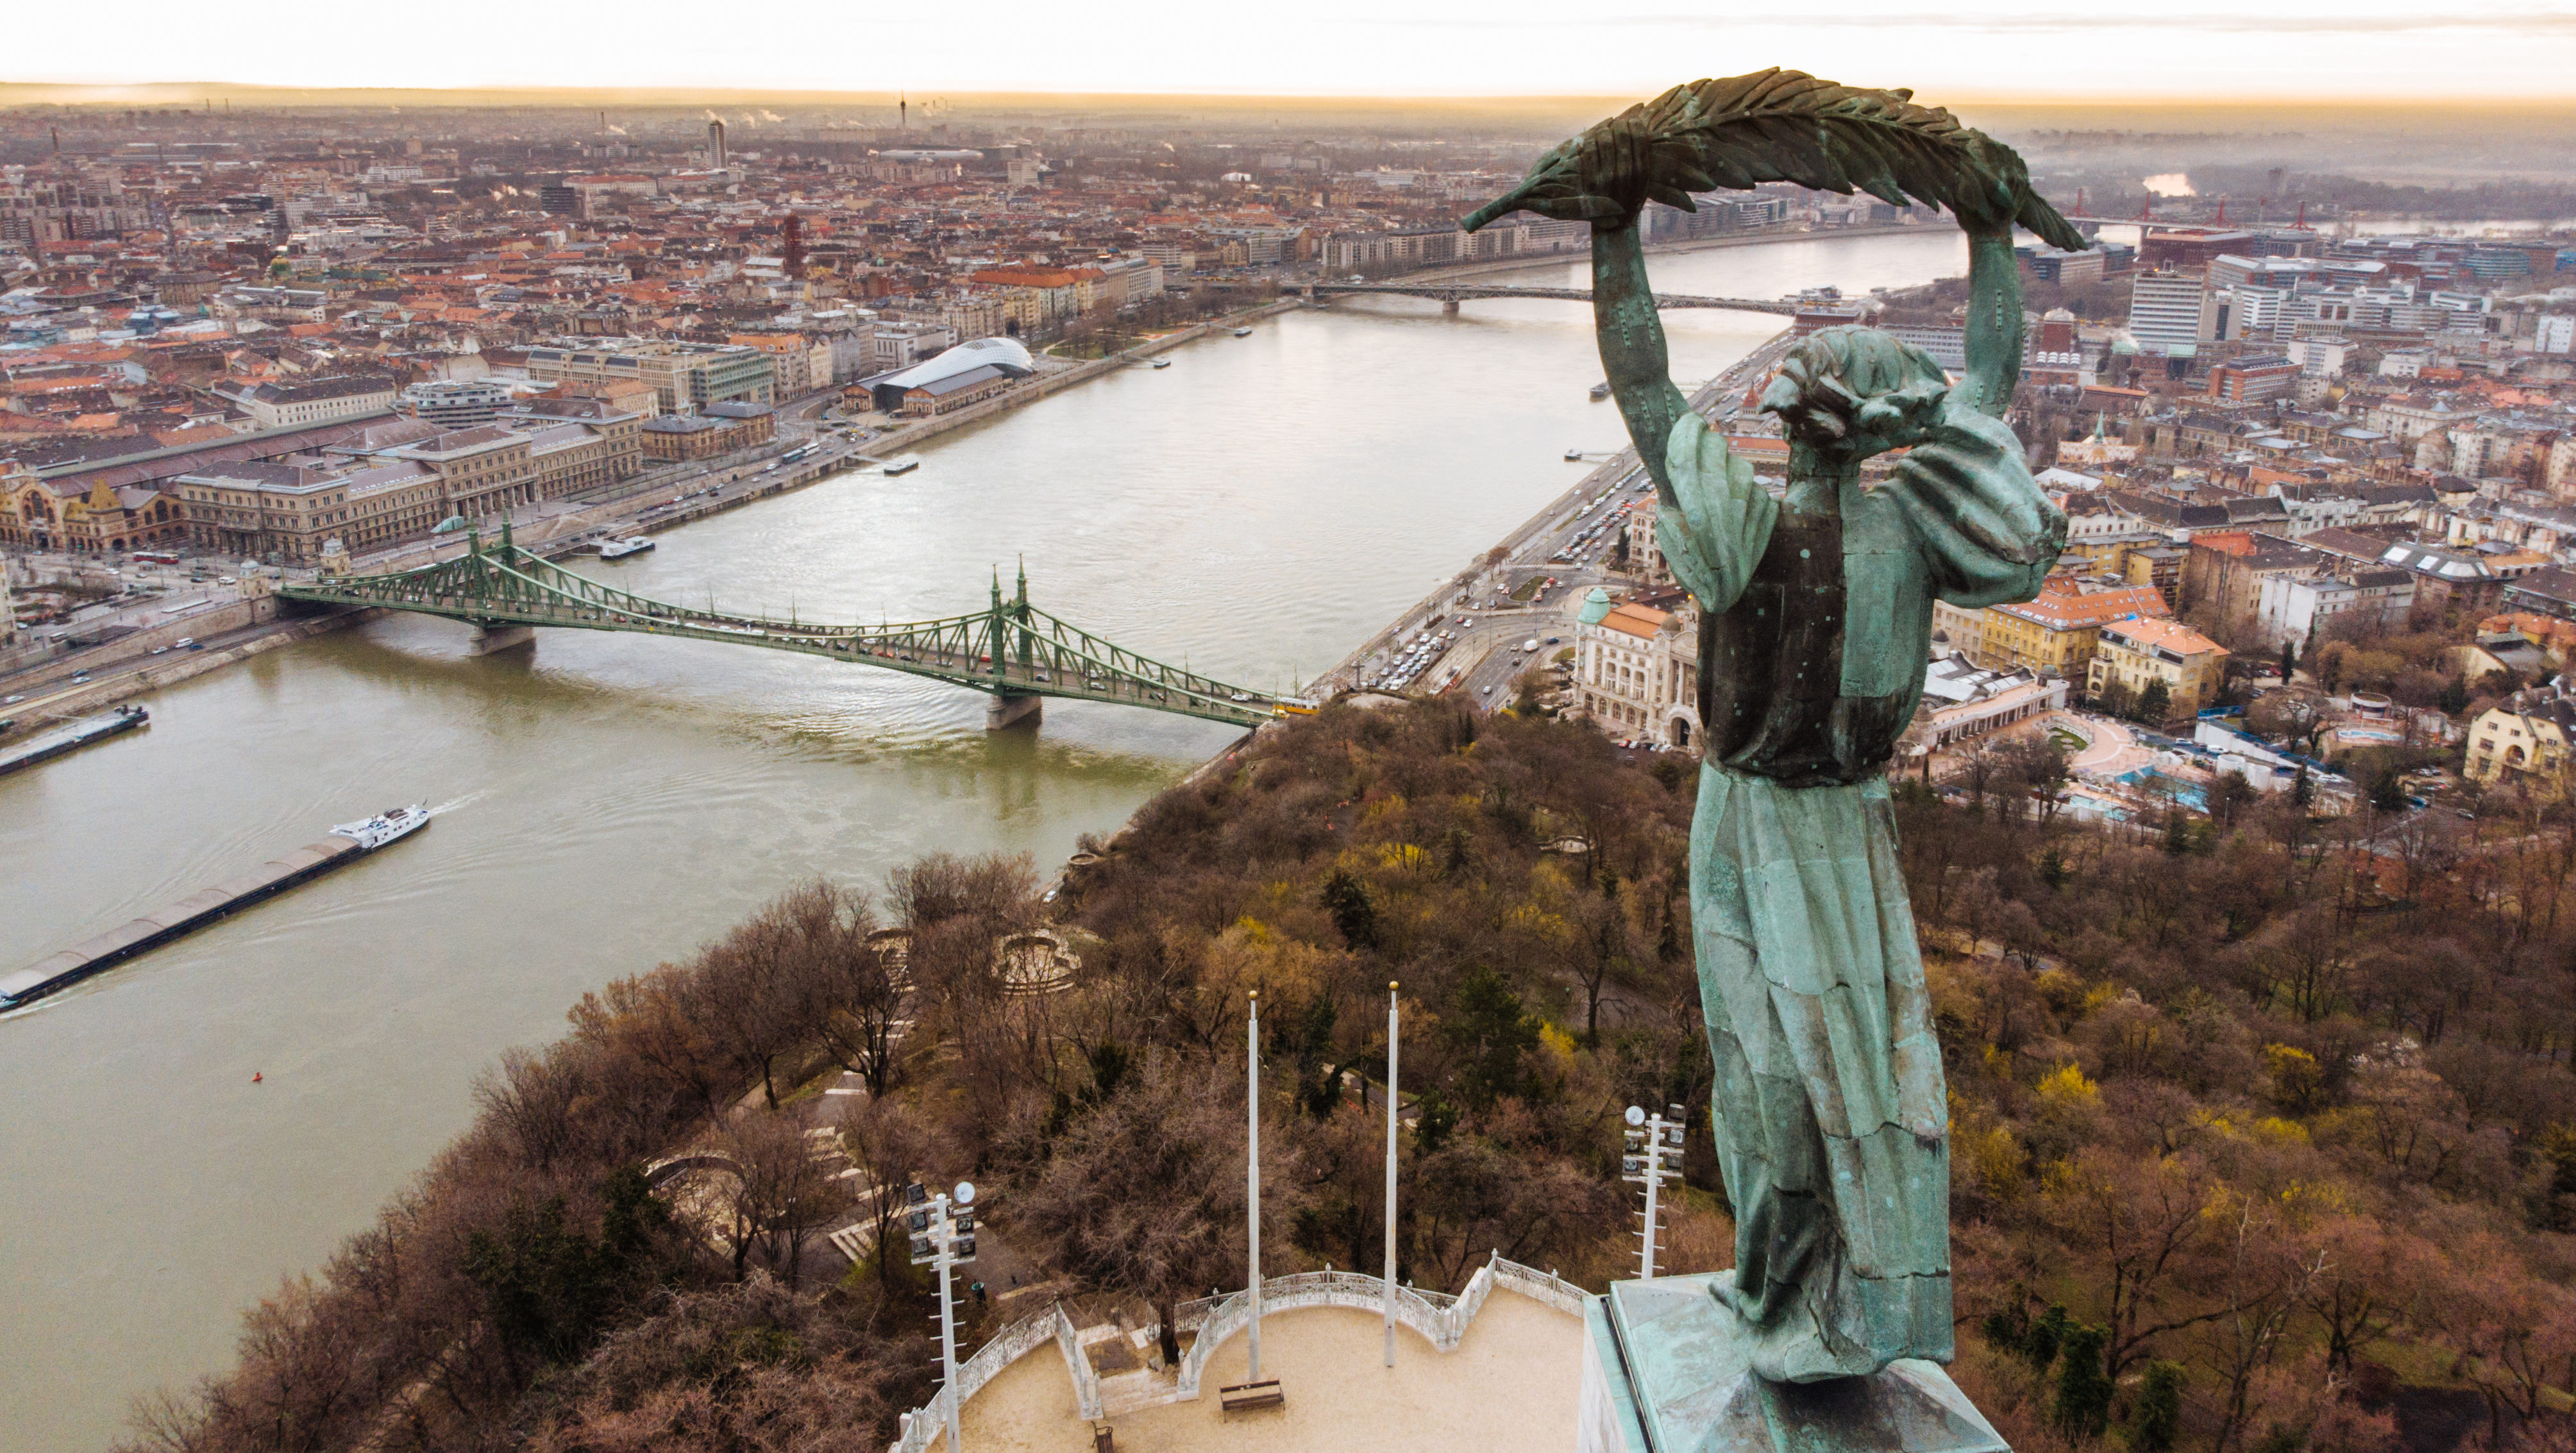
(1190, 1315)
(1016, 1341)
(1540, 1286)
(1086, 1383)
(1440, 1318)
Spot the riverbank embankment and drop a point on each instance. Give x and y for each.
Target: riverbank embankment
(555, 537)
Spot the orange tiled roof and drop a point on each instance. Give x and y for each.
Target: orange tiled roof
(1635, 620)
(2173, 636)
(2063, 610)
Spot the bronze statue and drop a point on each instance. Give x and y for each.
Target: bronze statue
(1816, 615)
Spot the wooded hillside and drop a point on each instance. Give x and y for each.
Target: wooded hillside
(2265, 1135)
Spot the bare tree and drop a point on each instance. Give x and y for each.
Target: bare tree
(889, 1145)
(1144, 1194)
(780, 1193)
(2293, 714)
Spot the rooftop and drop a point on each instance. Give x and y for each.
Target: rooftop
(2162, 635)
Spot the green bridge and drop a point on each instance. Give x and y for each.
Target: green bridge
(1011, 651)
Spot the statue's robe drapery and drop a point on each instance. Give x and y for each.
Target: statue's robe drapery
(1831, 1113)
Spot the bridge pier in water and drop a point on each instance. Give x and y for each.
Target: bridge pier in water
(1449, 307)
(1009, 710)
(491, 638)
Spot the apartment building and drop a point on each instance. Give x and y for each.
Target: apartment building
(2300, 608)
(306, 402)
(453, 404)
(2054, 634)
(2131, 654)
(686, 377)
(2522, 741)
(2170, 313)
(723, 429)
(901, 345)
(802, 364)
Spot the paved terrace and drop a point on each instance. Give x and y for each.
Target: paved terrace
(1511, 1381)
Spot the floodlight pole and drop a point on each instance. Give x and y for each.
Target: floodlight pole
(1650, 1170)
(941, 1236)
(947, 1318)
(1654, 1183)
(1391, 1122)
(1252, 1171)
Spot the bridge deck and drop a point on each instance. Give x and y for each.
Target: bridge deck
(1469, 292)
(1039, 655)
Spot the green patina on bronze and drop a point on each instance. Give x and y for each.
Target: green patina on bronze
(1816, 615)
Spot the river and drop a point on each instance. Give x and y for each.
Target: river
(608, 802)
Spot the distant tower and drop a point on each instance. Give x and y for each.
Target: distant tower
(903, 113)
(791, 251)
(715, 143)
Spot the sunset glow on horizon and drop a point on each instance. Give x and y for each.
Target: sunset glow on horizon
(2300, 50)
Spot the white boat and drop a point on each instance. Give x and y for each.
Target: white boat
(385, 826)
(1242, 332)
(1162, 363)
(620, 549)
(1601, 390)
(1574, 456)
(904, 465)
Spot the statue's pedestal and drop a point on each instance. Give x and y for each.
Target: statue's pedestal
(1664, 1371)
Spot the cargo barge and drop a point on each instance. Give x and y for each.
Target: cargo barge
(347, 843)
(72, 738)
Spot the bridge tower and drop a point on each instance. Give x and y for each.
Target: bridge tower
(491, 636)
(1009, 632)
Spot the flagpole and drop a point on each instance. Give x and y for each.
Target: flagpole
(1252, 1171)
(1391, 1120)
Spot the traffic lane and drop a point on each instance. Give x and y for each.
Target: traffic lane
(135, 667)
(90, 660)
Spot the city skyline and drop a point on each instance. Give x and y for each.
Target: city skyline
(2300, 50)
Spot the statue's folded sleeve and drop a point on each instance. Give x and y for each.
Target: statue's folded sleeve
(1723, 523)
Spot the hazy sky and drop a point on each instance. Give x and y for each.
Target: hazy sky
(2360, 49)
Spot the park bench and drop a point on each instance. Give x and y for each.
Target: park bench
(1250, 1395)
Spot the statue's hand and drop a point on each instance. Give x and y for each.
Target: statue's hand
(1822, 412)
(1993, 186)
(1612, 166)
(1599, 177)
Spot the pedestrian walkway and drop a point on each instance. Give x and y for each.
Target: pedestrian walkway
(2109, 750)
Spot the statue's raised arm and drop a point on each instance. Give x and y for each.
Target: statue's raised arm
(1779, 126)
